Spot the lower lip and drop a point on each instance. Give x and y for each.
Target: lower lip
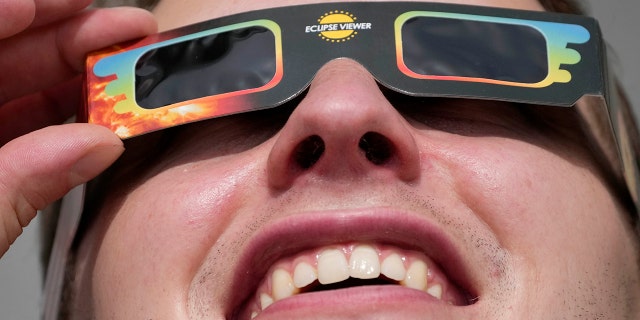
(365, 302)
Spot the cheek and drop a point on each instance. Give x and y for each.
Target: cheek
(530, 195)
(164, 230)
(556, 216)
(563, 229)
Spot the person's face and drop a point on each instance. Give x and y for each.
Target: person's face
(499, 208)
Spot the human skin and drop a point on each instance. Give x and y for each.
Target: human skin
(42, 49)
(510, 208)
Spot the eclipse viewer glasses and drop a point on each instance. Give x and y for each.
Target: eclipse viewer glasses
(262, 59)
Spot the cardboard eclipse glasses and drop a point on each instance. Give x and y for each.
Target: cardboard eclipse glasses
(264, 58)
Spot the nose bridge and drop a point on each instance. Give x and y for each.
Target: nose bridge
(344, 97)
(343, 126)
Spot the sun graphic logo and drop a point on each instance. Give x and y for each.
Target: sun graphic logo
(337, 26)
(337, 17)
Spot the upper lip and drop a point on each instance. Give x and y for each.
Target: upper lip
(298, 232)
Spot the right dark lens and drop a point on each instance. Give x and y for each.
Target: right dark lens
(434, 46)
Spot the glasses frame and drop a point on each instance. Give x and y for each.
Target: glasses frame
(574, 52)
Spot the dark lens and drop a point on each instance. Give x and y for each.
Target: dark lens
(435, 46)
(216, 64)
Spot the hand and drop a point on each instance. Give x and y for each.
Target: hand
(42, 48)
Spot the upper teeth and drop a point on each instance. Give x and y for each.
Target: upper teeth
(335, 264)
(304, 275)
(332, 267)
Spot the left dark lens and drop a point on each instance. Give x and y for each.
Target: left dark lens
(434, 46)
(221, 63)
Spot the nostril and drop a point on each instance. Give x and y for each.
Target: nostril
(377, 148)
(309, 151)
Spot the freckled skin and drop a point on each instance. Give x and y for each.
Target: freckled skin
(525, 205)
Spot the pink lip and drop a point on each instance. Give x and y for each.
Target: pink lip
(371, 302)
(307, 230)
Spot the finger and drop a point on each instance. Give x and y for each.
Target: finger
(100, 28)
(48, 11)
(52, 106)
(15, 16)
(39, 168)
(45, 56)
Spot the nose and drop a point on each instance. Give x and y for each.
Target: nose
(344, 128)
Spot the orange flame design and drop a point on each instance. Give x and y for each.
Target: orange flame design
(100, 109)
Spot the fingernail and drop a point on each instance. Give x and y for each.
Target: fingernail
(93, 163)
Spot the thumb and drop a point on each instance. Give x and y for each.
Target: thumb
(15, 16)
(40, 167)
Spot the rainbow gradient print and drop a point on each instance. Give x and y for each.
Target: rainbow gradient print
(557, 36)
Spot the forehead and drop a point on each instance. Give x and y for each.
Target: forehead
(173, 14)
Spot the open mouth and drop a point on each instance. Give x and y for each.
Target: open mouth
(348, 265)
(353, 265)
